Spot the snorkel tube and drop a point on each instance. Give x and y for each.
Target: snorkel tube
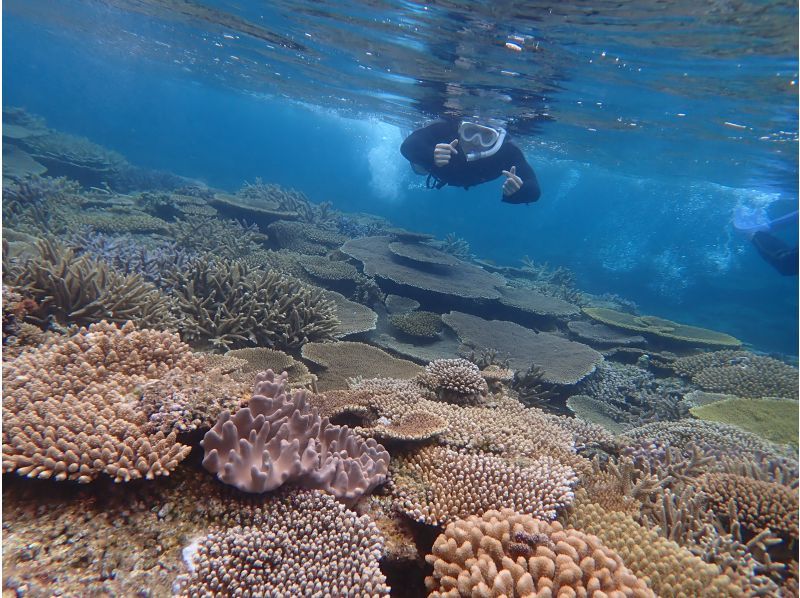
(479, 141)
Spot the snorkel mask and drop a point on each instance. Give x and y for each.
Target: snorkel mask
(478, 141)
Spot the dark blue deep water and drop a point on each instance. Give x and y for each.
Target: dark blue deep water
(648, 124)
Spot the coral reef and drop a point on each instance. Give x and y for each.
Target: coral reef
(279, 438)
(436, 485)
(504, 553)
(71, 409)
(419, 324)
(346, 359)
(562, 361)
(530, 301)
(304, 541)
(680, 506)
(667, 568)
(659, 327)
(773, 419)
(455, 381)
(81, 290)
(757, 505)
(354, 318)
(260, 359)
(740, 373)
(227, 305)
(457, 278)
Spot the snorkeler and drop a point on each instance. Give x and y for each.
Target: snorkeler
(776, 252)
(464, 154)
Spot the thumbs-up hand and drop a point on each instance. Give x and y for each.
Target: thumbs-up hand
(512, 183)
(443, 151)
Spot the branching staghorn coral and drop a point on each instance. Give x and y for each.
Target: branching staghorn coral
(227, 305)
(671, 570)
(226, 239)
(130, 255)
(82, 290)
(530, 389)
(40, 204)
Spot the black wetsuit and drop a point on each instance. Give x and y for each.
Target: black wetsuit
(418, 149)
(778, 254)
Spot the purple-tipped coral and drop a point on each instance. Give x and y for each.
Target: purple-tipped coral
(278, 438)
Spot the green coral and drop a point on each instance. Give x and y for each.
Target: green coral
(422, 324)
(662, 328)
(773, 419)
(225, 304)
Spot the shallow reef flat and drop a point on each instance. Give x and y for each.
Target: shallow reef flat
(210, 392)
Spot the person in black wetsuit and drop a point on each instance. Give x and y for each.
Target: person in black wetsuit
(776, 252)
(464, 154)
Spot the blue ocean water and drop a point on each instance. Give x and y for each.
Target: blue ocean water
(648, 125)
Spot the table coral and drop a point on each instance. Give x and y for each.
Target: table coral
(563, 361)
(662, 328)
(437, 485)
(420, 324)
(347, 359)
(773, 419)
(459, 278)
